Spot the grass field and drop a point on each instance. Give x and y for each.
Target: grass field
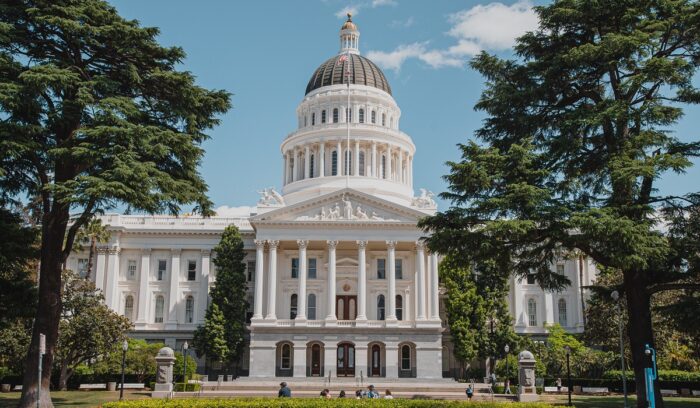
(84, 399)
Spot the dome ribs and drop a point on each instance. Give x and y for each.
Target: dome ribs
(364, 72)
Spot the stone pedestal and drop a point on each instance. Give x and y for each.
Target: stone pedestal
(526, 367)
(164, 376)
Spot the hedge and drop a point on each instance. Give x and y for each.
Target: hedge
(312, 402)
(189, 387)
(664, 375)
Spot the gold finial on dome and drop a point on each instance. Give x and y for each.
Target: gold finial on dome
(349, 25)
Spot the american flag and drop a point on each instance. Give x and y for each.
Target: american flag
(344, 58)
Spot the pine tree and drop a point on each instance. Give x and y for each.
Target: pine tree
(210, 338)
(95, 115)
(575, 140)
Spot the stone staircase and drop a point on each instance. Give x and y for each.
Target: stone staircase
(311, 388)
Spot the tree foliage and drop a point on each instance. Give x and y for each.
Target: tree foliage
(575, 139)
(228, 306)
(140, 359)
(95, 115)
(93, 232)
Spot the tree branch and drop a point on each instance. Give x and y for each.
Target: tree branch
(673, 286)
(79, 222)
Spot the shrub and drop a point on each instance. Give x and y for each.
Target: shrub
(189, 387)
(664, 375)
(311, 402)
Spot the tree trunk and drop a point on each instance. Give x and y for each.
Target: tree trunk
(48, 310)
(64, 376)
(640, 332)
(91, 256)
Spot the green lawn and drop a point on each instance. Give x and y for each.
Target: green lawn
(580, 401)
(66, 399)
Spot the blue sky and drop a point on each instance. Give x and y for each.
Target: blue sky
(264, 53)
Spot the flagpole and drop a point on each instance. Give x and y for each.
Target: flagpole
(348, 115)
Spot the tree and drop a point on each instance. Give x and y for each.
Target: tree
(93, 232)
(95, 115)
(140, 359)
(88, 328)
(574, 142)
(228, 296)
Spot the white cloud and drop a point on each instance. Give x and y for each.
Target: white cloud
(378, 3)
(354, 10)
(402, 23)
(242, 211)
(492, 27)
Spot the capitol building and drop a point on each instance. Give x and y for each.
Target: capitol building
(339, 281)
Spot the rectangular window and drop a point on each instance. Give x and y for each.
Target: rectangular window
(399, 269)
(82, 267)
(323, 116)
(191, 270)
(295, 268)
(312, 268)
(531, 279)
(131, 269)
(251, 271)
(162, 268)
(560, 269)
(381, 268)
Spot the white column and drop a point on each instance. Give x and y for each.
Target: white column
(307, 163)
(391, 271)
(204, 284)
(420, 279)
(549, 307)
(399, 169)
(331, 282)
(435, 298)
(301, 295)
(356, 158)
(361, 281)
(143, 286)
(388, 163)
(322, 160)
(100, 268)
(341, 161)
(286, 168)
(112, 279)
(174, 286)
(272, 281)
(375, 173)
(259, 264)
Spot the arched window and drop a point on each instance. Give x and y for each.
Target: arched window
(532, 312)
(160, 303)
(311, 306)
(563, 321)
(399, 307)
(362, 163)
(286, 357)
(335, 115)
(313, 118)
(383, 119)
(347, 169)
(405, 357)
(129, 307)
(334, 163)
(362, 116)
(305, 120)
(380, 307)
(323, 116)
(348, 114)
(293, 306)
(311, 166)
(391, 122)
(189, 310)
(383, 166)
(373, 116)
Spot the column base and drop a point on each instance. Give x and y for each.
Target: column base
(331, 322)
(428, 324)
(391, 322)
(361, 322)
(140, 324)
(300, 322)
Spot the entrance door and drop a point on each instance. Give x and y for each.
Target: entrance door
(315, 360)
(346, 307)
(346, 360)
(376, 361)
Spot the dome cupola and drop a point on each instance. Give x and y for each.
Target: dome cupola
(349, 37)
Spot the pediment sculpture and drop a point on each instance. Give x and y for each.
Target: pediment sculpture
(346, 212)
(424, 200)
(270, 197)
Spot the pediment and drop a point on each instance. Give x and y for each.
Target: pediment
(343, 206)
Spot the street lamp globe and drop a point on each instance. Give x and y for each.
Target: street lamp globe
(507, 348)
(125, 345)
(185, 346)
(615, 295)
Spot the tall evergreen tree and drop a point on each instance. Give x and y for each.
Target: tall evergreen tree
(228, 303)
(95, 114)
(572, 148)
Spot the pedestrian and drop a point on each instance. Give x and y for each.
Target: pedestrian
(387, 395)
(358, 394)
(342, 394)
(507, 385)
(323, 394)
(328, 393)
(371, 393)
(470, 392)
(493, 379)
(284, 391)
(558, 384)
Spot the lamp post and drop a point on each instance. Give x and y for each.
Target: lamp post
(125, 347)
(507, 380)
(616, 296)
(184, 366)
(650, 375)
(568, 372)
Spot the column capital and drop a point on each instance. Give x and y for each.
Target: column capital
(145, 251)
(302, 243)
(206, 252)
(259, 243)
(175, 251)
(332, 243)
(361, 244)
(391, 244)
(420, 245)
(273, 243)
(102, 250)
(115, 250)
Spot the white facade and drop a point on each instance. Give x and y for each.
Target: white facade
(339, 282)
